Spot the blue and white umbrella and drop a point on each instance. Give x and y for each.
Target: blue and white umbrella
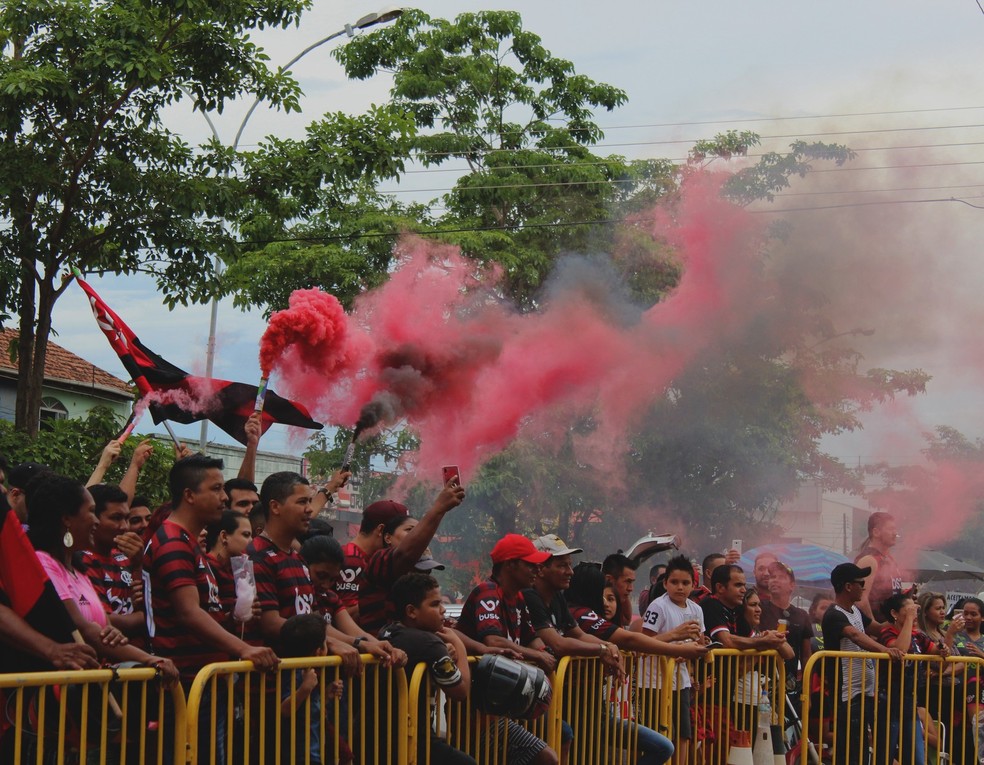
(811, 564)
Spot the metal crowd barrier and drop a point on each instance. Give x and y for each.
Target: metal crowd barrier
(96, 717)
(240, 715)
(235, 714)
(868, 708)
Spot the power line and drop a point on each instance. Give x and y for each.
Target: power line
(813, 208)
(743, 120)
(668, 142)
(574, 224)
(630, 181)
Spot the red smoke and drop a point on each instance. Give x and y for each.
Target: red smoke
(311, 342)
(439, 350)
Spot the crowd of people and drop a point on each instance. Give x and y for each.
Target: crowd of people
(227, 570)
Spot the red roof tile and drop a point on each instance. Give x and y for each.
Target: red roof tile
(64, 366)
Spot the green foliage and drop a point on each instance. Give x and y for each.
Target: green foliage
(488, 96)
(89, 176)
(72, 447)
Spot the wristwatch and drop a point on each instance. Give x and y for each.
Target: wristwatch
(328, 497)
(357, 641)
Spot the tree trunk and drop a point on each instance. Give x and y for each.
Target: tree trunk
(27, 412)
(31, 363)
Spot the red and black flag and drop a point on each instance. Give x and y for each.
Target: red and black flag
(26, 589)
(178, 396)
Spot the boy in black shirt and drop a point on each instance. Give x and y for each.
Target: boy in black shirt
(422, 634)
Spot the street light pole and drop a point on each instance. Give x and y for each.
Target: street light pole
(382, 16)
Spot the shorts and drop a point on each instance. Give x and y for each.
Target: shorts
(682, 725)
(522, 747)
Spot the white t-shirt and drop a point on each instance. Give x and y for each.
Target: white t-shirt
(664, 615)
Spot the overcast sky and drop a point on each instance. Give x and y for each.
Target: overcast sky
(914, 68)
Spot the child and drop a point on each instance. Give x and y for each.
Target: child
(420, 632)
(673, 616)
(306, 635)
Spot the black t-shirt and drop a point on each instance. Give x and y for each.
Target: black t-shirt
(423, 647)
(556, 614)
(799, 628)
(719, 618)
(427, 648)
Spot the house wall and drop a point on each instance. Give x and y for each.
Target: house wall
(77, 403)
(830, 520)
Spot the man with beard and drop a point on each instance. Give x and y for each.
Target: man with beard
(495, 612)
(496, 615)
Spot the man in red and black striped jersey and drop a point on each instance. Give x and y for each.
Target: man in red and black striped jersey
(324, 558)
(107, 567)
(406, 539)
(283, 582)
(185, 618)
(360, 550)
(495, 612)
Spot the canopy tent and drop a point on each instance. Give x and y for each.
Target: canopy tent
(810, 563)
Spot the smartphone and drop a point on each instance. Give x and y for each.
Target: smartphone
(451, 471)
(736, 545)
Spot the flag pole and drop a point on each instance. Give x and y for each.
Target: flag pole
(170, 431)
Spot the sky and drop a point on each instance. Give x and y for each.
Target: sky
(899, 82)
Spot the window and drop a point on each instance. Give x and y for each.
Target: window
(52, 409)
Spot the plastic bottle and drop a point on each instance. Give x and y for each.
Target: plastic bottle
(762, 750)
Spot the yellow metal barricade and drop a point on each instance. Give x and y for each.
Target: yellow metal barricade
(863, 707)
(729, 687)
(116, 717)
(240, 715)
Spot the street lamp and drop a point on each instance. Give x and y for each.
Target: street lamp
(382, 16)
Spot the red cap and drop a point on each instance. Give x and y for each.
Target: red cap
(517, 547)
(383, 511)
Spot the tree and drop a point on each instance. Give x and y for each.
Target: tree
(311, 215)
(487, 96)
(72, 448)
(90, 177)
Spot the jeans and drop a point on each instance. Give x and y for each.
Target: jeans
(850, 732)
(653, 748)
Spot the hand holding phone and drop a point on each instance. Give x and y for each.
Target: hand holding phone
(450, 473)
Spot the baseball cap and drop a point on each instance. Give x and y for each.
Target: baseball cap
(382, 512)
(848, 572)
(517, 547)
(779, 566)
(20, 476)
(427, 563)
(554, 545)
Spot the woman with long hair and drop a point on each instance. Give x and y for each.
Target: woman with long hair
(61, 520)
(589, 597)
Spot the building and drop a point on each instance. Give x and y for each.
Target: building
(834, 520)
(72, 386)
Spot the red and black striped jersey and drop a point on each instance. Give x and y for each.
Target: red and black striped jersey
(174, 560)
(375, 607)
(489, 611)
(353, 574)
(110, 576)
(283, 583)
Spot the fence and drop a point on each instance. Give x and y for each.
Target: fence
(95, 716)
(865, 707)
(239, 715)
(235, 714)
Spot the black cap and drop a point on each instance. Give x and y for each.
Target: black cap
(20, 476)
(848, 572)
